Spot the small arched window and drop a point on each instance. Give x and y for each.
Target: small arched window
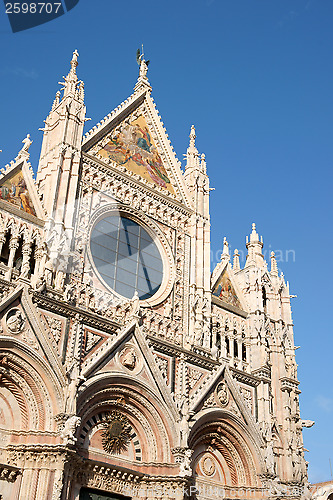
(264, 298)
(235, 349)
(5, 249)
(227, 346)
(243, 352)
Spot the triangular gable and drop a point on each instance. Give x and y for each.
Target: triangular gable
(225, 288)
(128, 353)
(20, 320)
(223, 392)
(17, 189)
(133, 138)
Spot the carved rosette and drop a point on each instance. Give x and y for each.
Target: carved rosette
(117, 432)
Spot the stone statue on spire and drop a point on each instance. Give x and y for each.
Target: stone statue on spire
(26, 143)
(74, 61)
(140, 59)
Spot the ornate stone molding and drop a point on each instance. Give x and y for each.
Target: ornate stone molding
(288, 384)
(88, 318)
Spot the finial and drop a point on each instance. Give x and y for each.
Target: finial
(236, 263)
(254, 237)
(274, 267)
(254, 246)
(192, 155)
(225, 252)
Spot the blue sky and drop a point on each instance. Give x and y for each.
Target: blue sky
(256, 79)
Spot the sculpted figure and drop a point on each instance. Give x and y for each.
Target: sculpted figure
(74, 379)
(15, 322)
(26, 143)
(48, 273)
(40, 284)
(25, 269)
(69, 292)
(135, 304)
(222, 394)
(68, 432)
(129, 360)
(184, 425)
(269, 459)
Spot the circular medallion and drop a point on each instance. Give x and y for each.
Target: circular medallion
(208, 466)
(15, 321)
(222, 394)
(130, 358)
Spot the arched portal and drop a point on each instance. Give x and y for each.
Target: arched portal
(226, 459)
(125, 426)
(29, 397)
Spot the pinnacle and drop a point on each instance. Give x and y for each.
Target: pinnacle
(274, 267)
(70, 82)
(225, 252)
(254, 237)
(236, 263)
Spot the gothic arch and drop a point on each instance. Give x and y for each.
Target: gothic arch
(30, 395)
(228, 440)
(148, 416)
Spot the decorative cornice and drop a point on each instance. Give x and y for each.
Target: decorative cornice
(173, 350)
(289, 384)
(244, 377)
(64, 309)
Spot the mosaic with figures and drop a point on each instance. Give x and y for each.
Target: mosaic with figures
(14, 190)
(131, 145)
(225, 290)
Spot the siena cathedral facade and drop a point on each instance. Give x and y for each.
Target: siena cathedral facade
(127, 368)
